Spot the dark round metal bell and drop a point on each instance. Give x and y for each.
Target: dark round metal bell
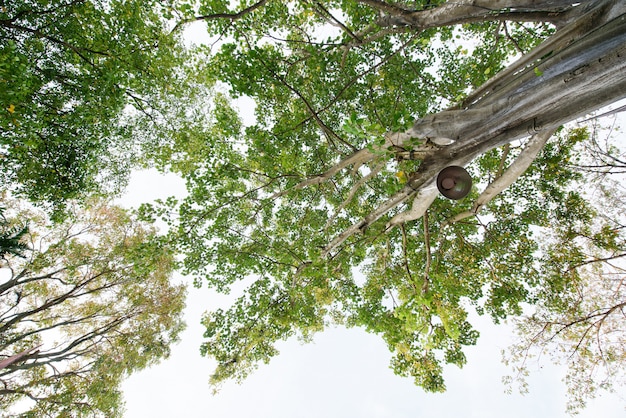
(454, 182)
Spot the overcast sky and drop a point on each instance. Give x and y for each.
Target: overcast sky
(343, 373)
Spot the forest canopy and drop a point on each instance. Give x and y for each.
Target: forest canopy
(326, 200)
(86, 291)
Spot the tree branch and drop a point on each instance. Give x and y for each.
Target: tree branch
(422, 201)
(353, 191)
(510, 175)
(466, 11)
(227, 16)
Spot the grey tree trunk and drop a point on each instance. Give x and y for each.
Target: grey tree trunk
(576, 71)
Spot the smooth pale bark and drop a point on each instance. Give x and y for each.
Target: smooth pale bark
(422, 201)
(356, 159)
(17, 357)
(584, 70)
(466, 11)
(510, 175)
(397, 17)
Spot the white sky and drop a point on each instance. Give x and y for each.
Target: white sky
(343, 373)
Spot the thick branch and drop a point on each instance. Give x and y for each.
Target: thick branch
(421, 22)
(584, 76)
(515, 170)
(504, 83)
(385, 7)
(392, 139)
(468, 11)
(422, 201)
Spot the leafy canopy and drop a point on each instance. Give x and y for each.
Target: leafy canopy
(317, 201)
(94, 296)
(75, 77)
(294, 199)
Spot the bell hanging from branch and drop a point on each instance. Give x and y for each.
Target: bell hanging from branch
(454, 182)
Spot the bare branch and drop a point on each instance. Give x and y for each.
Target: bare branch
(427, 247)
(357, 158)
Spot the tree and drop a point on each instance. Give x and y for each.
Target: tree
(90, 302)
(11, 237)
(75, 74)
(582, 327)
(328, 199)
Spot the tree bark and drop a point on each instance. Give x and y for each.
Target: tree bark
(510, 175)
(467, 11)
(583, 69)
